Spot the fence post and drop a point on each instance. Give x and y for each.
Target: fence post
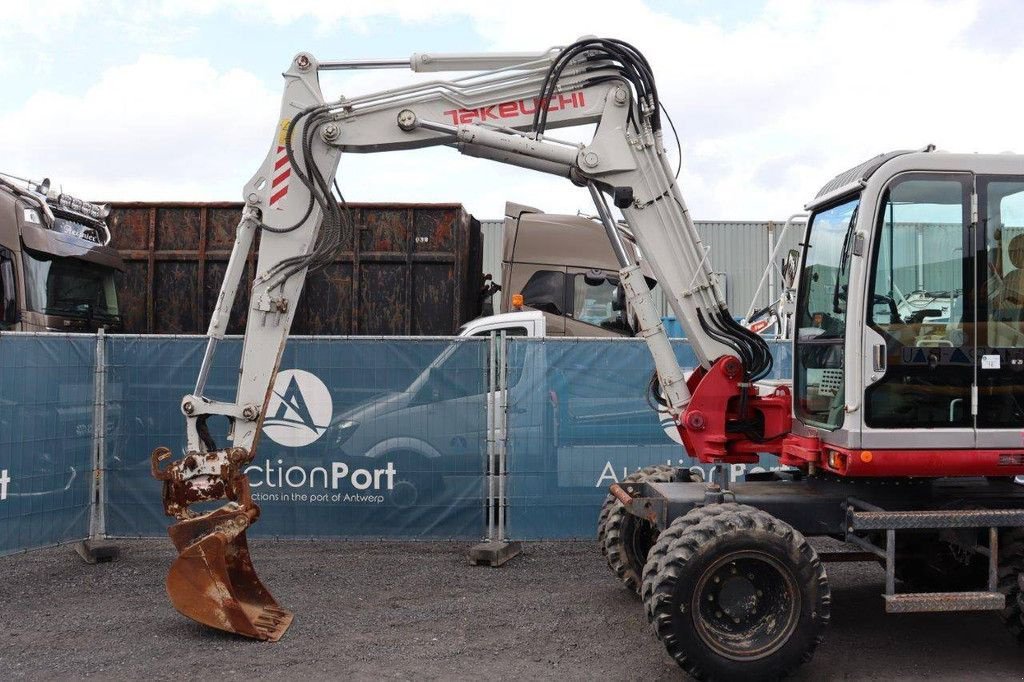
(94, 548)
(502, 415)
(491, 433)
(496, 550)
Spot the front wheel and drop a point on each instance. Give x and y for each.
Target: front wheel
(739, 595)
(418, 480)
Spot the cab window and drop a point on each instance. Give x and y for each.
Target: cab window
(545, 291)
(821, 315)
(8, 295)
(515, 370)
(597, 300)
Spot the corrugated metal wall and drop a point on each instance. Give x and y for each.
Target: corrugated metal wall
(493, 245)
(739, 250)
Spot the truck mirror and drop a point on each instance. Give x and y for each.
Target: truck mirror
(619, 305)
(8, 300)
(594, 278)
(789, 268)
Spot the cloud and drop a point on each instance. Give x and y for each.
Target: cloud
(769, 105)
(163, 127)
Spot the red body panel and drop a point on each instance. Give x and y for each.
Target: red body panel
(800, 451)
(715, 403)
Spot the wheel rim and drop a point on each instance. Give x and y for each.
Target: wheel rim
(641, 537)
(405, 494)
(746, 605)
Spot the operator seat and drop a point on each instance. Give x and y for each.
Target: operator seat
(1013, 282)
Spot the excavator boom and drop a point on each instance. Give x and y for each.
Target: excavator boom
(502, 114)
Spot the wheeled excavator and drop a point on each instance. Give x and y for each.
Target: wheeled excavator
(901, 429)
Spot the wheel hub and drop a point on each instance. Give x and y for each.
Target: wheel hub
(746, 605)
(738, 598)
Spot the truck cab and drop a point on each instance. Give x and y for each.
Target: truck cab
(529, 323)
(564, 267)
(57, 270)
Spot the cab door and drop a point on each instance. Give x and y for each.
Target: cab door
(543, 288)
(919, 345)
(1000, 330)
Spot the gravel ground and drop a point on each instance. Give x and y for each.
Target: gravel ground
(419, 611)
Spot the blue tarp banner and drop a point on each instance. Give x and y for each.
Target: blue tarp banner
(579, 421)
(363, 438)
(46, 437)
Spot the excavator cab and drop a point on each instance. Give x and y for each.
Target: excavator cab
(912, 267)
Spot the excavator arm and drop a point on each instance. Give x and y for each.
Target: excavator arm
(502, 112)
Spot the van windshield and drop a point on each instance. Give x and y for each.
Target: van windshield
(70, 287)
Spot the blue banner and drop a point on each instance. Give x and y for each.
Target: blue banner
(579, 421)
(363, 437)
(46, 438)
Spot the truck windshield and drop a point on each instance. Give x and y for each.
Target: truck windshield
(821, 315)
(70, 287)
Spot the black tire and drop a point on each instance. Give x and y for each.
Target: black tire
(665, 540)
(1011, 573)
(740, 595)
(625, 539)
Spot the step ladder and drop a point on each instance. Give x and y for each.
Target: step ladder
(862, 517)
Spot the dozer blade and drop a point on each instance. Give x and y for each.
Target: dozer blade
(213, 580)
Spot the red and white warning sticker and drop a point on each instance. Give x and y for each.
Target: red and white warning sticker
(282, 169)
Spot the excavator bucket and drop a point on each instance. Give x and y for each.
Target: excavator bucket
(213, 580)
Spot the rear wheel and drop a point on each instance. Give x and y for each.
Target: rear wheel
(626, 539)
(740, 595)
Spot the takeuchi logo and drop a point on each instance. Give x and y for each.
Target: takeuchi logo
(299, 410)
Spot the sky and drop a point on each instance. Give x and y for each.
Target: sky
(178, 99)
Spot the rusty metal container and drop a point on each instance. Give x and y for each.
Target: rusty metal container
(406, 269)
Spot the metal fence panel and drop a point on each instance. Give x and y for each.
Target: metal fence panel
(46, 437)
(579, 421)
(364, 437)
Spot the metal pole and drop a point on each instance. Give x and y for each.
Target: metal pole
(97, 492)
(503, 441)
(890, 561)
(610, 227)
(771, 260)
(993, 559)
(492, 398)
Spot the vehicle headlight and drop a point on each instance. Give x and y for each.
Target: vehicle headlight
(343, 430)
